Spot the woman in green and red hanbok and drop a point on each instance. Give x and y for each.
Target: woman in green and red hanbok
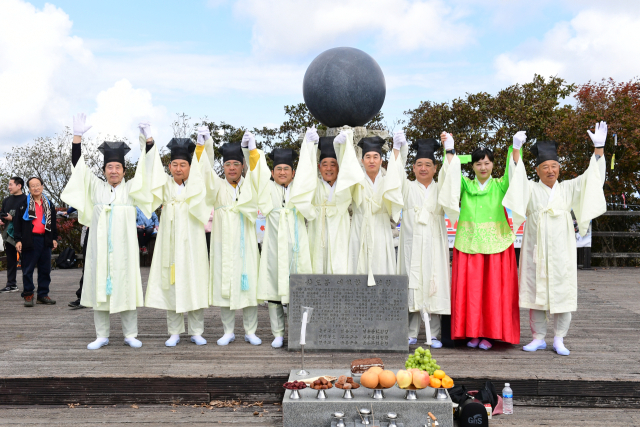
(484, 278)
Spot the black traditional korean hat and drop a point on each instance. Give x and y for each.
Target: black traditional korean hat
(181, 149)
(545, 150)
(114, 151)
(232, 151)
(325, 145)
(373, 143)
(283, 156)
(426, 148)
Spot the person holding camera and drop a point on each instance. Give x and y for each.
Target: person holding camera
(9, 207)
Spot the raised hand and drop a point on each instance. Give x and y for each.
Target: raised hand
(600, 135)
(312, 136)
(447, 141)
(203, 135)
(79, 124)
(145, 129)
(399, 140)
(341, 138)
(519, 139)
(248, 141)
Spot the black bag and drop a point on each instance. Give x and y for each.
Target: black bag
(66, 259)
(471, 413)
(488, 395)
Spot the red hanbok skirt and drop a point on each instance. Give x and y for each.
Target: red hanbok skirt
(484, 296)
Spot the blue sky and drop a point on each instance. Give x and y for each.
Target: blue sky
(241, 61)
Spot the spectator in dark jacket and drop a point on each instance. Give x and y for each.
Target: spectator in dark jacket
(35, 234)
(9, 207)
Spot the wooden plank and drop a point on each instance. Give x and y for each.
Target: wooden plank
(615, 234)
(615, 255)
(102, 398)
(622, 213)
(44, 385)
(626, 389)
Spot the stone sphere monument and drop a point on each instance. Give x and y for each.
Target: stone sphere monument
(344, 86)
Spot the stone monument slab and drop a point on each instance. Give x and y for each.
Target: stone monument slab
(347, 314)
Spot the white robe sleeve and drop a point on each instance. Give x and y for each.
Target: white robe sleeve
(146, 187)
(304, 185)
(349, 174)
(588, 200)
(261, 182)
(392, 195)
(449, 190)
(212, 181)
(78, 192)
(518, 194)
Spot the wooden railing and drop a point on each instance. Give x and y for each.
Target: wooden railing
(585, 254)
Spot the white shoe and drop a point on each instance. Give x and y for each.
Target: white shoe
(277, 342)
(133, 342)
(226, 339)
(435, 343)
(253, 339)
(558, 346)
(413, 341)
(535, 345)
(172, 341)
(485, 345)
(100, 342)
(198, 340)
(473, 343)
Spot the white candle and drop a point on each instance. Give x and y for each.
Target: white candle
(303, 331)
(427, 326)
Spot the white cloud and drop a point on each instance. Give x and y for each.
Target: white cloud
(119, 110)
(595, 44)
(290, 28)
(39, 65)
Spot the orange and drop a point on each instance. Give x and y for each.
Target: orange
(439, 374)
(369, 379)
(387, 379)
(376, 369)
(435, 383)
(447, 382)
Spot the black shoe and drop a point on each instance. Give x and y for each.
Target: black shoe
(76, 304)
(45, 300)
(9, 289)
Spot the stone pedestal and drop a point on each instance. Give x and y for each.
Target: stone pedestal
(311, 412)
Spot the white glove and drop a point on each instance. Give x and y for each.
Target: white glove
(519, 139)
(447, 140)
(145, 129)
(248, 141)
(203, 135)
(399, 140)
(79, 124)
(341, 138)
(312, 135)
(600, 136)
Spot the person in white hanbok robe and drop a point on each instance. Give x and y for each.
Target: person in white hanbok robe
(284, 198)
(340, 172)
(423, 252)
(112, 282)
(234, 259)
(376, 200)
(548, 273)
(179, 275)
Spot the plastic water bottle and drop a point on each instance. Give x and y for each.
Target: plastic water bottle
(507, 400)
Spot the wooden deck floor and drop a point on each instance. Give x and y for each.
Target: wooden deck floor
(43, 354)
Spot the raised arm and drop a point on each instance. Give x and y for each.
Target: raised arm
(449, 188)
(146, 186)
(519, 189)
(304, 185)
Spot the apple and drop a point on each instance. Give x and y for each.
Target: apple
(404, 378)
(421, 379)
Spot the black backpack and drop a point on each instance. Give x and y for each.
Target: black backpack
(67, 258)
